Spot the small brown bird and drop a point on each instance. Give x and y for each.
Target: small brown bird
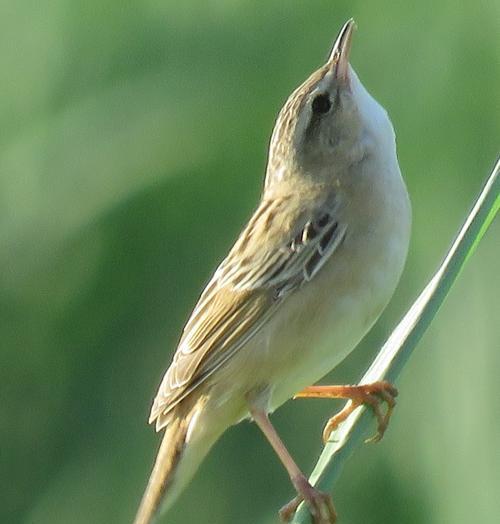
(307, 278)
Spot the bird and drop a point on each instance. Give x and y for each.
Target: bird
(306, 279)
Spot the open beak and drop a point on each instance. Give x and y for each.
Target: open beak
(338, 61)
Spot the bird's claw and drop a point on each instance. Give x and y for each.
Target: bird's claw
(320, 504)
(372, 395)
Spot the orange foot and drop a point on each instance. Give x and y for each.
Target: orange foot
(320, 504)
(370, 394)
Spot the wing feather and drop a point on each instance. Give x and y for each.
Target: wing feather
(261, 270)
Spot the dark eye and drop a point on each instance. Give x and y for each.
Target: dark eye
(321, 104)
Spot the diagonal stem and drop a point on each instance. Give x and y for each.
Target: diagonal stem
(403, 340)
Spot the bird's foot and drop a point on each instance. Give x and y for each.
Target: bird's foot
(372, 395)
(320, 504)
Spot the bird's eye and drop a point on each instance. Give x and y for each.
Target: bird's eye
(321, 104)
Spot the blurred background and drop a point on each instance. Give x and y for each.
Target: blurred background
(132, 147)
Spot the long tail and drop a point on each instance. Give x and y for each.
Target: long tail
(183, 447)
(170, 451)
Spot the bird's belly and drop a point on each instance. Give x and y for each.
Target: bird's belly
(324, 321)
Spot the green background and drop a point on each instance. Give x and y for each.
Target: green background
(133, 141)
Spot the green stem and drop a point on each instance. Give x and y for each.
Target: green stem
(403, 340)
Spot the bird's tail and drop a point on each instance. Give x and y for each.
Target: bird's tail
(184, 445)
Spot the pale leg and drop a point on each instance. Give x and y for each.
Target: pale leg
(320, 504)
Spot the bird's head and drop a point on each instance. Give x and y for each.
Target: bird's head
(330, 123)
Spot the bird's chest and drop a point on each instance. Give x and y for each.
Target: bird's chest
(327, 318)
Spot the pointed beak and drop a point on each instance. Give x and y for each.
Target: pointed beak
(338, 61)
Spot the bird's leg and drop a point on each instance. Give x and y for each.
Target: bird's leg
(320, 504)
(370, 394)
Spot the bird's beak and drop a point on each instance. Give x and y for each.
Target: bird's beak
(338, 61)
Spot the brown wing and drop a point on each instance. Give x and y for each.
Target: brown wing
(281, 248)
